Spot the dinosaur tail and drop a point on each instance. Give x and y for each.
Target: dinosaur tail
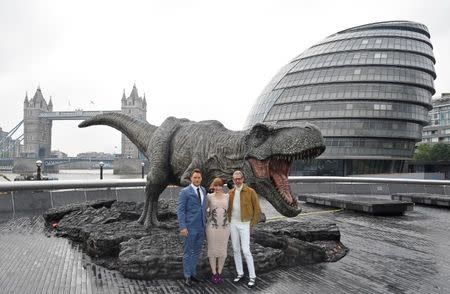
(138, 131)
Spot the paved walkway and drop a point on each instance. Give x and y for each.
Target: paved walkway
(407, 254)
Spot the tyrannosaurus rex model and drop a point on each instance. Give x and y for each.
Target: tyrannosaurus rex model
(264, 153)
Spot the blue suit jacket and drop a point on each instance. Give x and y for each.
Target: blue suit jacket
(191, 214)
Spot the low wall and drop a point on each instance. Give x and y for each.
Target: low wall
(24, 165)
(368, 188)
(28, 166)
(42, 200)
(19, 201)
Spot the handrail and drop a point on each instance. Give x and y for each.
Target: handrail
(309, 179)
(69, 184)
(73, 184)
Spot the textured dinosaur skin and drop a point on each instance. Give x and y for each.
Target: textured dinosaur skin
(264, 153)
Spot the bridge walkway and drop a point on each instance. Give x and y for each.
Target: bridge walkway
(406, 254)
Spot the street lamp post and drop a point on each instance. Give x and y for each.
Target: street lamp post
(142, 169)
(38, 172)
(101, 169)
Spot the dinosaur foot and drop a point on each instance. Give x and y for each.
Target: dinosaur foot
(152, 222)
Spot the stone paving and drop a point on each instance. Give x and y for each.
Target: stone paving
(402, 254)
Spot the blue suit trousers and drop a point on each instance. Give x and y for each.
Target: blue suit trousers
(193, 244)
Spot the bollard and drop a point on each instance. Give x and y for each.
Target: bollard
(38, 171)
(142, 169)
(101, 164)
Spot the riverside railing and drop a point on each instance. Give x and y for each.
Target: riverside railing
(43, 195)
(312, 179)
(48, 194)
(69, 184)
(367, 185)
(112, 183)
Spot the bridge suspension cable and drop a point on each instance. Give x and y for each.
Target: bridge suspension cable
(5, 142)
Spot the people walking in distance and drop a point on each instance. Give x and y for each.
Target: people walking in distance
(191, 213)
(217, 229)
(243, 214)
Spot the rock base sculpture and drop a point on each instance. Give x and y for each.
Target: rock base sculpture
(111, 236)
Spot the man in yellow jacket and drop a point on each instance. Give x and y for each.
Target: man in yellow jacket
(243, 213)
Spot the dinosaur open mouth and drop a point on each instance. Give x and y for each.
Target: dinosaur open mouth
(277, 168)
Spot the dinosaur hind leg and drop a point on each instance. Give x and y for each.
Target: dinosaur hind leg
(141, 219)
(152, 195)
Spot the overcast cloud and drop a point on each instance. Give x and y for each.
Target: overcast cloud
(193, 59)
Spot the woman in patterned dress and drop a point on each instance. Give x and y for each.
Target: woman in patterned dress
(217, 229)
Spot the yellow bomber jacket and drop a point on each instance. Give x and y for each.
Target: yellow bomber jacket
(250, 208)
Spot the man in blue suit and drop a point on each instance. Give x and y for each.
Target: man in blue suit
(191, 213)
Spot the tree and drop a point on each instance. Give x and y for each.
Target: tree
(440, 152)
(434, 152)
(423, 152)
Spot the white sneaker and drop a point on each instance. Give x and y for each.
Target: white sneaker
(251, 283)
(238, 278)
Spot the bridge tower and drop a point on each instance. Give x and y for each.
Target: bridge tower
(37, 131)
(136, 107)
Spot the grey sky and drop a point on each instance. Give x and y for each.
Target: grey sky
(194, 59)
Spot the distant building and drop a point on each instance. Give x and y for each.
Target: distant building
(37, 131)
(135, 107)
(96, 155)
(58, 154)
(439, 118)
(367, 88)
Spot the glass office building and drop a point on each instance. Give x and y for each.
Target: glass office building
(438, 130)
(367, 88)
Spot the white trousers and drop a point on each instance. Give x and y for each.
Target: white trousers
(240, 238)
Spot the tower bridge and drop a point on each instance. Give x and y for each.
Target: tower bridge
(73, 115)
(38, 117)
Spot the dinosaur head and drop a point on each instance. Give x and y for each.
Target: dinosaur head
(271, 151)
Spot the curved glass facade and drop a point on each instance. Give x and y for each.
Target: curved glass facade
(368, 87)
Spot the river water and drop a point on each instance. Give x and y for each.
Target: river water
(80, 174)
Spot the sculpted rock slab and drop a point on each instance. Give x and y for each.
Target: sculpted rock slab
(113, 238)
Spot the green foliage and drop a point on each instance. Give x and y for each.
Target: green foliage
(422, 152)
(432, 152)
(440, 151)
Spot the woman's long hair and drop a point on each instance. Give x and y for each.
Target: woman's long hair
(216, 182)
